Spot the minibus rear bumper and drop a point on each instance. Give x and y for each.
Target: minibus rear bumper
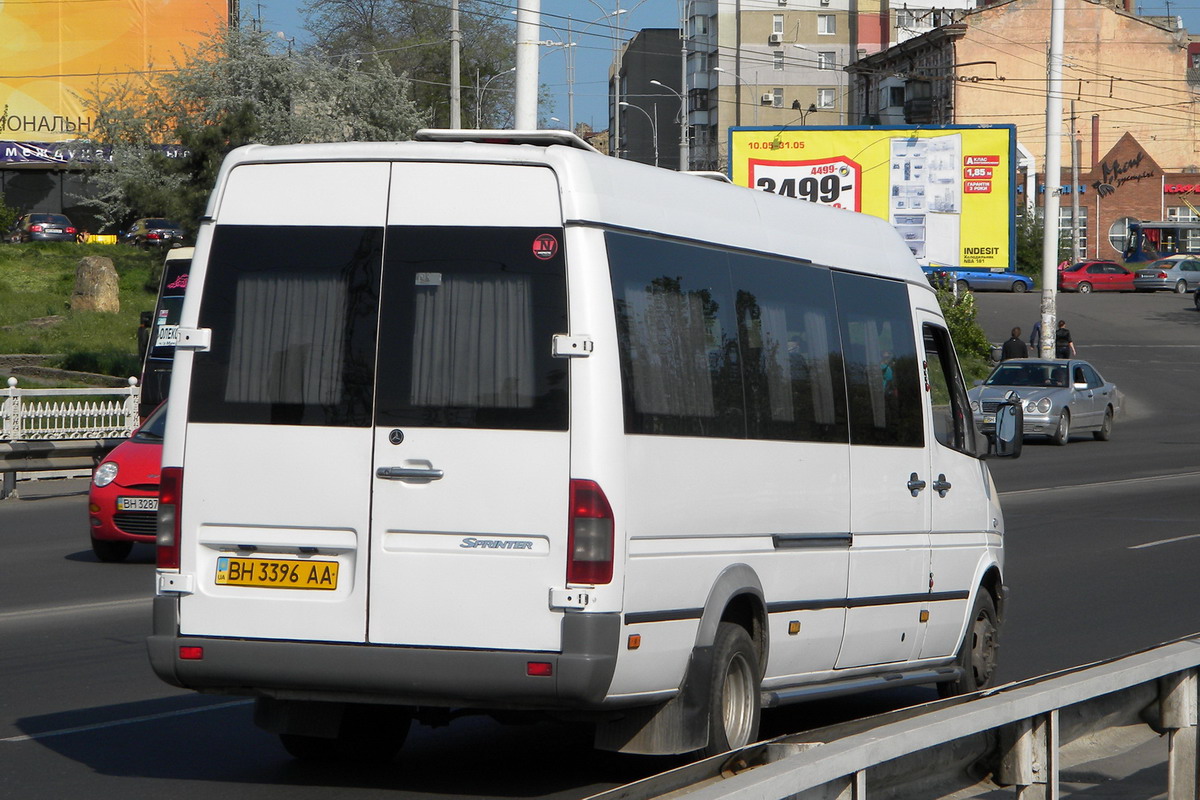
(577, 677)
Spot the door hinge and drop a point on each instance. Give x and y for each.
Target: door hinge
(567, 346)
(194, 339)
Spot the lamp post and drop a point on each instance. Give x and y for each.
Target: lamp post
(837, 79)
(683, 125)
(743, 80)
(653, 124)
(480, 90)
(613, 20)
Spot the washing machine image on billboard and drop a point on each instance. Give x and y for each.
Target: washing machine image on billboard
(925, 195)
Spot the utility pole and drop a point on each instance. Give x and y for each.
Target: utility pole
(1054, 109)
(1076, 255)
(529, 21)
(455, 78)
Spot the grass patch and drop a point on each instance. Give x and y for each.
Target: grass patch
(36, 281)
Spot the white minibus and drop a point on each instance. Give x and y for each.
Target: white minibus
(488, 422)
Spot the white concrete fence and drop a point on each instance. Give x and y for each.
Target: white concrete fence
(62, 429)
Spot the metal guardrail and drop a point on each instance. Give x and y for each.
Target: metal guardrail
(62, 429)
(1015, 733)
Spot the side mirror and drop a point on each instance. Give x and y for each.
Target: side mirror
(1010, 428)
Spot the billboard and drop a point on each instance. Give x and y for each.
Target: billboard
(52, 51)
(948, 190)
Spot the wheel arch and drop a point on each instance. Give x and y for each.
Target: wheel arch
(736, 596)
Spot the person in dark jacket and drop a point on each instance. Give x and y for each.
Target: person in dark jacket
(1064, 345)
(1014, 347)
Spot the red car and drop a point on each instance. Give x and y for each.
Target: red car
(1095, 276)
(123, 495)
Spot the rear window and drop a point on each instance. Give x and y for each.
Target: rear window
(465, 341)
(293, 313)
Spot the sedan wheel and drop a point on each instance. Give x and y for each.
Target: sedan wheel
(1180, 287)
(110, 551)
(1018, 286)
(1085, 288)
(1105, 431)
(1062, 434)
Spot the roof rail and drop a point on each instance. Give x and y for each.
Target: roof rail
(543, 138)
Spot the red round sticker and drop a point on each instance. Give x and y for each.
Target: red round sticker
(545, 246)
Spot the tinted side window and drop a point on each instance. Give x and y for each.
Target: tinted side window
(791, 350)
(465, 336)
(952, 425)
(882, 372)
(293, 318)
(677, 331)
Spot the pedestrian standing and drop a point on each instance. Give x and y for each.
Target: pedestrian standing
(1014, 347)
(1035, 337)
(1064, 345)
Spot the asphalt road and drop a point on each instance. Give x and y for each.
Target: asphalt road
(1102, 547)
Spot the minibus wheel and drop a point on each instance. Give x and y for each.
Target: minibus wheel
(734, 709)
(367, 734)
(977, 653)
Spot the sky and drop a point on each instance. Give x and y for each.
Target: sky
(593, 32)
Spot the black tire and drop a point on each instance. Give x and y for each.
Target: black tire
(734, 710)
(111, 551)
(1019, 287)
(977, 653)
(1062, 434)
(1105, 432)
(1180, 287)
(963, 286)
(368, 735)
(1196, 299)
(1085, 288)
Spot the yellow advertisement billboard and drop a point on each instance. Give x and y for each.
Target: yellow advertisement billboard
(947, 190)
(51, 51)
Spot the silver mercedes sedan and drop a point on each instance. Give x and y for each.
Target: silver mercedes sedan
(1061, 397)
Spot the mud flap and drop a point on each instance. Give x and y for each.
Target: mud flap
(679, 725)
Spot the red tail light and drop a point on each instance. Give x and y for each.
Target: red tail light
(70, 229)
(1162, 274)
(154, 235)
(35, 228)
(168, 517)
(589, 535)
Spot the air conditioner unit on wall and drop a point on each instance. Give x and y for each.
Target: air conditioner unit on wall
(767, 97)
(775, 38)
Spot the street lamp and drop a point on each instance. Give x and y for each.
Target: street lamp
(837, 79)
(653, 124)
(479, 92)
(683, 125)
(743, 80)
(613, 20)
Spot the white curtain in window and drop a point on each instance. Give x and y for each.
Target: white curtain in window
(667, 332)
(816, 336)
(473, 342)
(777, 360)
(288, 340)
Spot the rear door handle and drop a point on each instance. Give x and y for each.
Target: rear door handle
(409, 474)
(941, 485)
(915, 485)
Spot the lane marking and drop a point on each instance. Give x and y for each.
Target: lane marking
(1118, 482)
(1164, 541)
(51, 611)
(99, 726)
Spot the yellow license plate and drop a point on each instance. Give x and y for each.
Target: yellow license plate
(271, 573)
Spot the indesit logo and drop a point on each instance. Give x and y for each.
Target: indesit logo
(470, 543)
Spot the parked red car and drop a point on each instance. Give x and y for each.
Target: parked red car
(1095, 276)
(123, 495)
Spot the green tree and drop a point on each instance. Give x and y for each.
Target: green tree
(413, 39)
(1030, 230)
(235, 88)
